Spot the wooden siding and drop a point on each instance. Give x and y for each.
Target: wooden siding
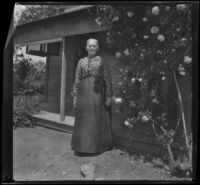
(71, 49)
(53, 81)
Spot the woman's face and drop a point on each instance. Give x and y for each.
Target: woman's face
(92, 47)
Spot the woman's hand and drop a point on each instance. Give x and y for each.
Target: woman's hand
(74, 102)
(108, 101)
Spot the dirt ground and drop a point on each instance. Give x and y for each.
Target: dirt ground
(44, 154)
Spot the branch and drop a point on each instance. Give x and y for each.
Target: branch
(182, 111)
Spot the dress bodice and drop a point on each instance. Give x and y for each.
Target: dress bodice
(95, 66)
(91, 66)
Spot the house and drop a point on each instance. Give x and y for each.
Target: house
(62, 40)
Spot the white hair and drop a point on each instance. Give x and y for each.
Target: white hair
(92, 39)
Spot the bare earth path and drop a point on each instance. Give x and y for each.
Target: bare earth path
(44, 154)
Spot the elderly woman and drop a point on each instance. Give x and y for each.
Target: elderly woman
(92, 93)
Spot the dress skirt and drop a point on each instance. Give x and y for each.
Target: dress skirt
(92, 127)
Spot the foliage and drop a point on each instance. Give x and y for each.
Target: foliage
(29, 86)
(23, 107)
(35, 80)
(153, 47)
(36, 12)
(29, 79)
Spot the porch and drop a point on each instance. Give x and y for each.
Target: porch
(53, 121)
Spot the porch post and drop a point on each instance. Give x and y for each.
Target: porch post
(63, 79)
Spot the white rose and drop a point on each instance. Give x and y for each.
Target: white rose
(144, 19)
(133, 80)
(163, 78)
(141, 56)
(180, 6)
(183, 73)
(130, 14)
(155, 10)
(126, 52)
(127, 123)
(118, 55)
(97, 20)
(165, 61)
(140, 79)
(120, 83)
(167, 8)
(145, 36)
(155, 100)
(118, 100)
(132, 103)
(183, 39)
(136, 44)
(187, 59)
(161, 38)
(115, 19)
(178, 29)
(154, 29)
(181, 70)
(145, 118)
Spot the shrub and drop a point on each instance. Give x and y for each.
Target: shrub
(23, 108)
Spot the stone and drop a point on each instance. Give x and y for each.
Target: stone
(90, 177)
(64, 173)
(87, 171)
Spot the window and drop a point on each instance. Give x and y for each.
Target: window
(44, 49)
(37, 49)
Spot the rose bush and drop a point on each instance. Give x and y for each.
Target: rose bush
(158, 54)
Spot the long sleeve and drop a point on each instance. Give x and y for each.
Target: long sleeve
(77, 79)
(107, 79)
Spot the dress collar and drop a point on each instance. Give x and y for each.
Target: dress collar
(93, 57)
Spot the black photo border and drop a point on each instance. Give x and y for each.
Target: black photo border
(7, 100)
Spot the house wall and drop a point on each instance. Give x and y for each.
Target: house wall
(71, 58)
(54, 65)
(53, 82)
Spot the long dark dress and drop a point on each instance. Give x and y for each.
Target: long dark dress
(92, 127)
